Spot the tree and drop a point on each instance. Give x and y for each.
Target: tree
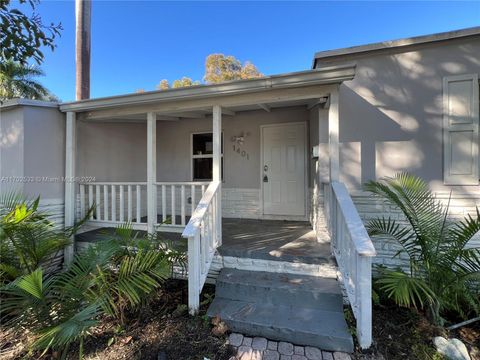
(220, 68)
(163, 85)
(22, 35)
(17, 81)
(183, 82)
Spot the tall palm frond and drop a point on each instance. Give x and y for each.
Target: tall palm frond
(18, 81)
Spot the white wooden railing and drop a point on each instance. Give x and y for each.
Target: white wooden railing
(353, 250)
(115, 202)
(173, 206)
(204, 234)
(119, 202)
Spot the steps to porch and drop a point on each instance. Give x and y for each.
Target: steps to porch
(275, 279)
(302, 309)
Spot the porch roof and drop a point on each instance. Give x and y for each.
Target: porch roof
(222, 93)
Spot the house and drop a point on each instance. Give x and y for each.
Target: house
(263, 177)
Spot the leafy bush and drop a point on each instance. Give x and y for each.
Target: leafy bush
(27, 238)
(110, 277)
(444, 270)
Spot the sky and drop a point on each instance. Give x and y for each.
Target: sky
(135, 44)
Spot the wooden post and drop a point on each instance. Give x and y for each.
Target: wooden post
(194, 273)
(70, 154)
(83, 10)
(333, 136)
(364, 321)
(151, 171)
(217, 167)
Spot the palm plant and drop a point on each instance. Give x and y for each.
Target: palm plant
(27, 238)
(444, 269)
(18, 81)
(110, 277)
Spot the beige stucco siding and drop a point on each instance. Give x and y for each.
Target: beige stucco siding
(44, 149)
(11, 148)
(391, 113)
(32, 151)
(112, 151)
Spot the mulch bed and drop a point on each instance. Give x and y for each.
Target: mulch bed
(162, 327)
(401, 333)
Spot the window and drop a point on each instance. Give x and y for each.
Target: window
(202, 156)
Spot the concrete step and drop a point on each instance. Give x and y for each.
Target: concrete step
(326, 330)
(280, 289)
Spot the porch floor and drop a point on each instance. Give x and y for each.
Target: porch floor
(291, 241)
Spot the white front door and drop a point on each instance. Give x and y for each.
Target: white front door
(283, 169)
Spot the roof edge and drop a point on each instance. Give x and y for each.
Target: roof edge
(399, 43)
(27, 102)
(326, 75)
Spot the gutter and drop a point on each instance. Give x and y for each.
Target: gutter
(327, 75)
(11, 103)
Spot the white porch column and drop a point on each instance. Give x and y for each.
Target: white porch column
(70, 155)
(333, 136)
(217, 166)
(151, 171)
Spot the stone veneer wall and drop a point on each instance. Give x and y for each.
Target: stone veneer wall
(370, 207)
(55, 210)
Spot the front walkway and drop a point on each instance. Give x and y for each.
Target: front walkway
(259, 348)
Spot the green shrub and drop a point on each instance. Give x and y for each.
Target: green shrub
(110, 277)
(27, 238)
(444, 270)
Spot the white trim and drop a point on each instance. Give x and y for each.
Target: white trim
(334, 136)
(70, 155)
(151, 171)
(307, 173)
(27, 102)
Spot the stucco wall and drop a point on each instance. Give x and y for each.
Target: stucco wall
(391, 113)
(44, 151)
(32, 148)
(32, 151)
(11, 148)
(112, 151)
(391, 120)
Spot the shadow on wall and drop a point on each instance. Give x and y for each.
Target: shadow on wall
(391, 114)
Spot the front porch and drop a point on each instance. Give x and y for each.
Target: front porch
(271, 240)
(235, 169)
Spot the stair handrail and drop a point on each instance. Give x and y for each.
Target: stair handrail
(353, 250)
(204, 234)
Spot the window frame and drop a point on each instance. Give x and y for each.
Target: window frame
(205, 156)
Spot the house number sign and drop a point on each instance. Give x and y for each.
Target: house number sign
(241, 152)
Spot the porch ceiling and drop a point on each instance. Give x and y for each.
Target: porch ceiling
(302, 88)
